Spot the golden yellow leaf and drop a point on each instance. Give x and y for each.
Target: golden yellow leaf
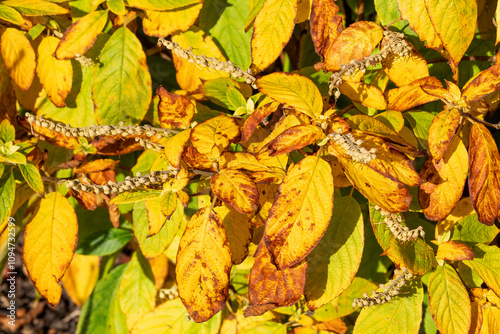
(270, 287)
(454, 251)
(80, 277)
(19, 57)
(156, 219)
(355, 42)
(236, 189)
(445, 181)
(49, 243)
(325, 24)
(411, 95)
(417, 16)
(175, 146)
(368, 95)
(484, 177)
(372, 125)
(164, 23)
(213, 136)
(288, 122)
(441, 132)
(490, 324)
(189, 75)
(461, 210)
(81, 35)
(273, 28)
(174, 111)
(403, 70)
(36, 8)
(301, 213)
(56, 76)
(238, 231)
(168, 203)
(295, 138)
(159, 267)
(482, 84)
(203, 265)
(247, 161)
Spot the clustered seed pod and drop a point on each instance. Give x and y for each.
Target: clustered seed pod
(99, 130)
(394, 222)
(393, 43)
(210, 62)
(352, 147)
(386, 291)
(149, 145)
(169, 294)
(84, 61)
(130, 183)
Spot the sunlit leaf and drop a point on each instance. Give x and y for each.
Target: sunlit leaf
(175, 146)
(236, 189)
(174, 111)
(411, 95)
(368, 95)
(213, 136)
(454, 251)
(487, 265)
(295, 138)
(415, 12)
(483, 84)
(80, 277)
(417, 255)
(7, 195)
(160, 5)
(19, 57)
(135, 196)
(36, 8)
(164, 23)
(11, 15)
(470, 231)
(32, 177)
(441, 132)
(325, 24)
(403, 70)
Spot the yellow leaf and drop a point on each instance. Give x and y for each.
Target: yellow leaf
(168, 203)
(19, 57)
(484, 177)
(36, 8)
(487, 265)
(454, 251)
(164, 23)
(247, 161)
(288, 122)
(273, 28)
(417, 16)
(482, 84)
(325, 25)
(236, 189)
(161, 5)
(295, 138)
(372, 125)
(55, 75)
(11, 15)
(393, 119)
(403, 70)
(238, 231)
(49, 243)
(411, 95)
(368, 95)
(490, 323)
(445, 181)
(441, 132)
(159, 266)
(355, 42)
(81, 35)
(137, 289)
(189, 75)
(175, 146)
(301, 213)
(213, 136)
(455, 23)
(293, 90)
(80, 277)
(156, 218)
(203, 265)
(449, 301)
(174, 111)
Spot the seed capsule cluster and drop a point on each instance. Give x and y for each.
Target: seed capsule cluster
(98, 130)
(210, 62)
(130, 183)
(149, 145)
(169, 294)
(394, 222)
(387, 291)
(352, 147)
(393, 43)
(84, 61)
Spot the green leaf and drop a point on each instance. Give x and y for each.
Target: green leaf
(257, 6)
(2, 168)
(7, 194)
(334, 262)
(35, 8)
(486, 264)
(380, 229)
(145, 162)
(417, 256)
(10, 15)
(235, 98)
(104, 242)
(387, 11)
(98, 314)
(225, 22)
(137, 289)
(449, 301)
(402, 314)
(121, 86)
(420, 122)
(154, 245)
(470, 231)
(117, 7)
(135, 196)
(32, 177)
(7, 131)
(217, 91)
(15, 158)
(160, 5)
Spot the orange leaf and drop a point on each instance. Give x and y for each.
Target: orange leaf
(483, 84)
(368, 95)
(484, 177)
(411, 95)
(174, 111)
(301, 213)
(441, 132)
(445, 181)
(355, 42)
(98, 165)
(236, 189)
(19, 57)
(203, 265)
(213, 136)
(255, 118)
(270, 287)
(175, 147)
(325, 25)
(295, 138)
(49, 243)
(454, 251)
(403, 70)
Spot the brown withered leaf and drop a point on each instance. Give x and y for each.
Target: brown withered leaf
(50, 136)
(196, 160)
(325, 25)
(175, 147)
(213, 136)
(441, 132)
(269, 287)
(483, 84)
(484, 177)
(103, 177)
(286, 123)
(96, 166)
(454, 251)
(445, 181)
(174, 111)
(255, 118)
(295, 138)
(115, 145)
(236, 189)
(411, 95)
(87, 201)
(37, 157)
